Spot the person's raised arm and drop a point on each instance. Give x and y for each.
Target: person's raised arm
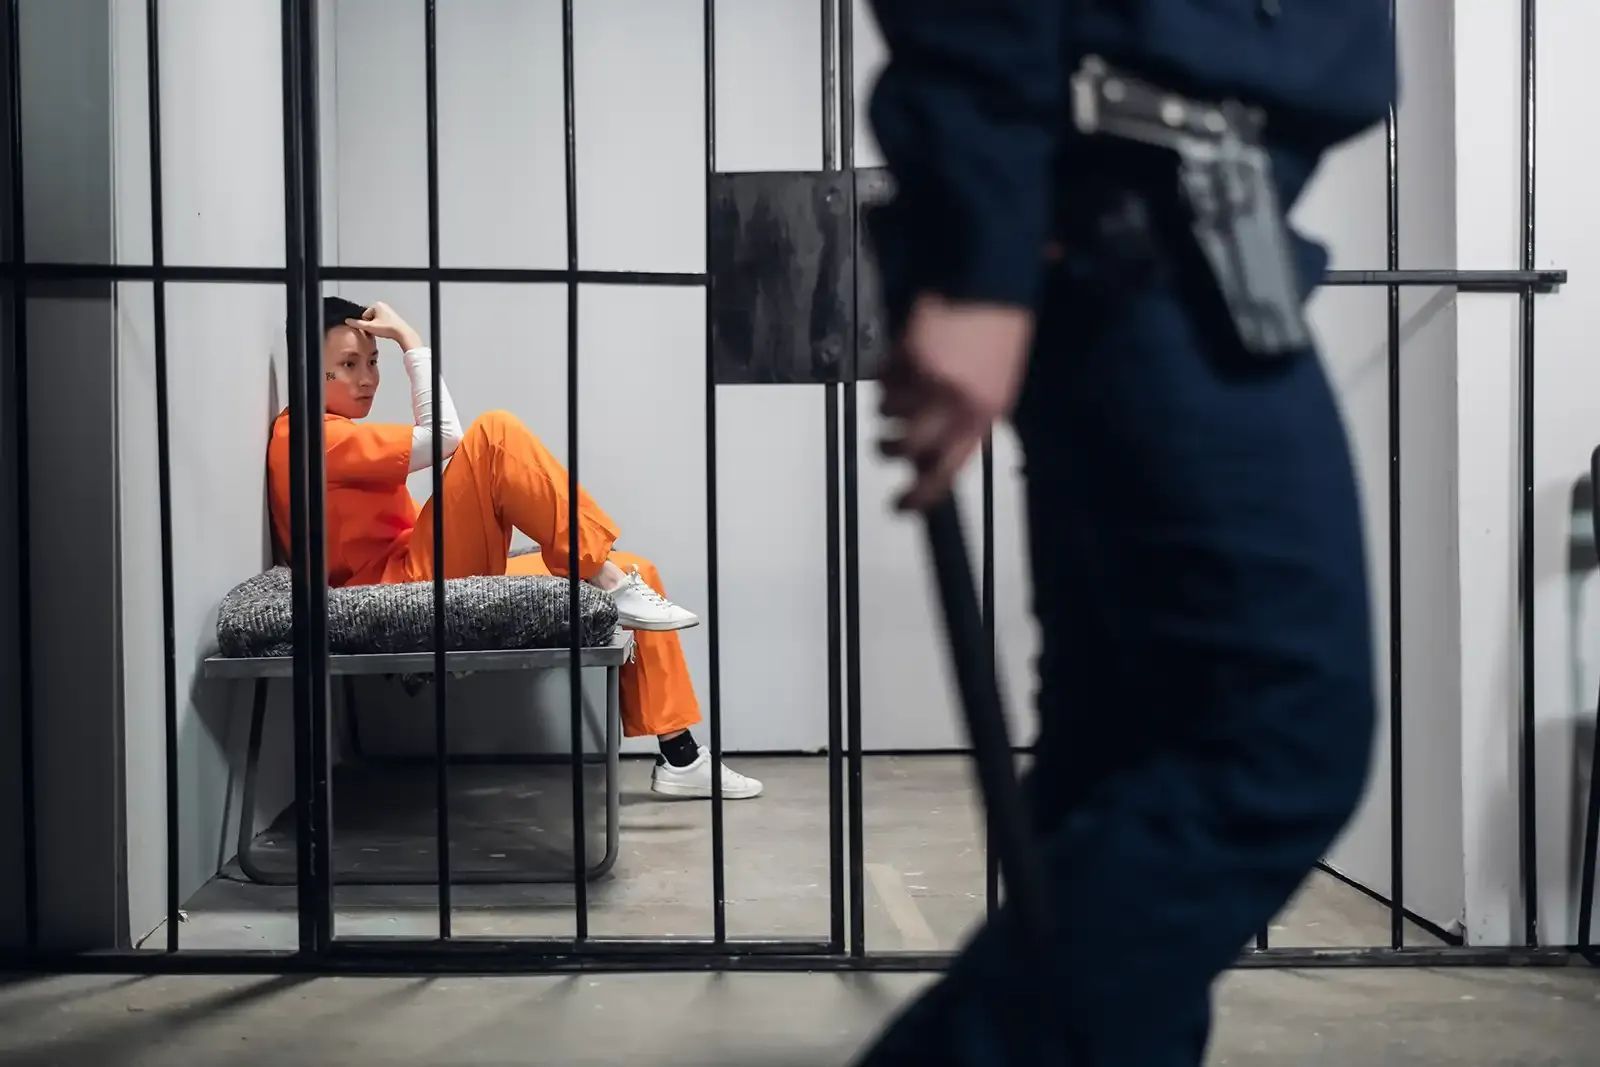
(381, 320)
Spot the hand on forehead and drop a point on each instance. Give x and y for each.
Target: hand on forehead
(348, 341)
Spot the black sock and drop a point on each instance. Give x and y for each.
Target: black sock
(679, 751)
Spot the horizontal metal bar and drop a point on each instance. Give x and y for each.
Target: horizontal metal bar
(520, 659)
(1470, 280)
(129, 272)
(549, 948)
(115, 272)
(1376, 956)
(468, 957)
(1433, 956)
(511, 275)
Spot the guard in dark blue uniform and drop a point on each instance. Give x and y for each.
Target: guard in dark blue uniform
(1089, 235)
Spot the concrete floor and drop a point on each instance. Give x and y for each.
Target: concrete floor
(1265, 1019)
(924, 863)
(924, 888)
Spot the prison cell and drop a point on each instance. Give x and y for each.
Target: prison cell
(755, 334)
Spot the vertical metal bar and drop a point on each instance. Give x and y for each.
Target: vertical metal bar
(852, 509)
(317, 879)
(441, 733)
(719, 880)
(580, 864)
(297, 315)
(1529, 790)
(1397, 866)
(836, 743)
(830, 399)
(19, 413)
(991, 861)
(169, 638)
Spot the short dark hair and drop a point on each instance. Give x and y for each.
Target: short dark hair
(336, 309)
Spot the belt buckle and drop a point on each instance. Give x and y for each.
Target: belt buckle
(1108, 101)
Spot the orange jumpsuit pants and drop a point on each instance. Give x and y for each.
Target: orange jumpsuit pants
(502, 476)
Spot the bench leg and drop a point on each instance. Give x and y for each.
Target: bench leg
(613, 772)
(352, 725)
(247, 804)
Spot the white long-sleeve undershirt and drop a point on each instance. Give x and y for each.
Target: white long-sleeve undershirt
(419, 368)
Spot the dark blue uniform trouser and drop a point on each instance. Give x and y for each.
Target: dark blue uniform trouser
(1206, 697)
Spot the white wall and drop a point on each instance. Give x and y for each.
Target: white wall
(223, 187)
(1565, 592)
(1430, 596)
(1489, 86)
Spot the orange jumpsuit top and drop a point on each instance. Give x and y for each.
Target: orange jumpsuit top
(370, 513)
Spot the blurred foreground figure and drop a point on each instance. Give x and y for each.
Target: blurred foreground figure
(1090, 217)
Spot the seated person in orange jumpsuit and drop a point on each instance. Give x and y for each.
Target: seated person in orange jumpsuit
(500, 476)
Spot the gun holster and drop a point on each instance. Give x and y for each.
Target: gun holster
(1226, 186)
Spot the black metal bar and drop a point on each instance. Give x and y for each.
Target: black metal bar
(308, 504)
(24, 562)
(441, 732)
(1466, 280)
(1428, 926)
(169, 637)
(295, 343)
(991, 861)
(830, 400)
(601, 947)
(321, 735)
(134, 272)
(1529, 785)
(1397, 909)
(852, 514)
(1509, 281)
(489, 958)
(575, 630)
(513, 759)
(517, 274)
(719, 879)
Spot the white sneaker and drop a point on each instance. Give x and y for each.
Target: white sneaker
(695, 780)
(641, 608)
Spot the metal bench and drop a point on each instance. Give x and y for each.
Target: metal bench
(262, 670)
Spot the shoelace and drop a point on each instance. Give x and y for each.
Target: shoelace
(639, 585)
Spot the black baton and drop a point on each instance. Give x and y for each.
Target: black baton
(973, 658)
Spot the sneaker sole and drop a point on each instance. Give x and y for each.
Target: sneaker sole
(694, 792)
(655, 627)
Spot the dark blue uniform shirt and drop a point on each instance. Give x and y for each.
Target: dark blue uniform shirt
(972, 111)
